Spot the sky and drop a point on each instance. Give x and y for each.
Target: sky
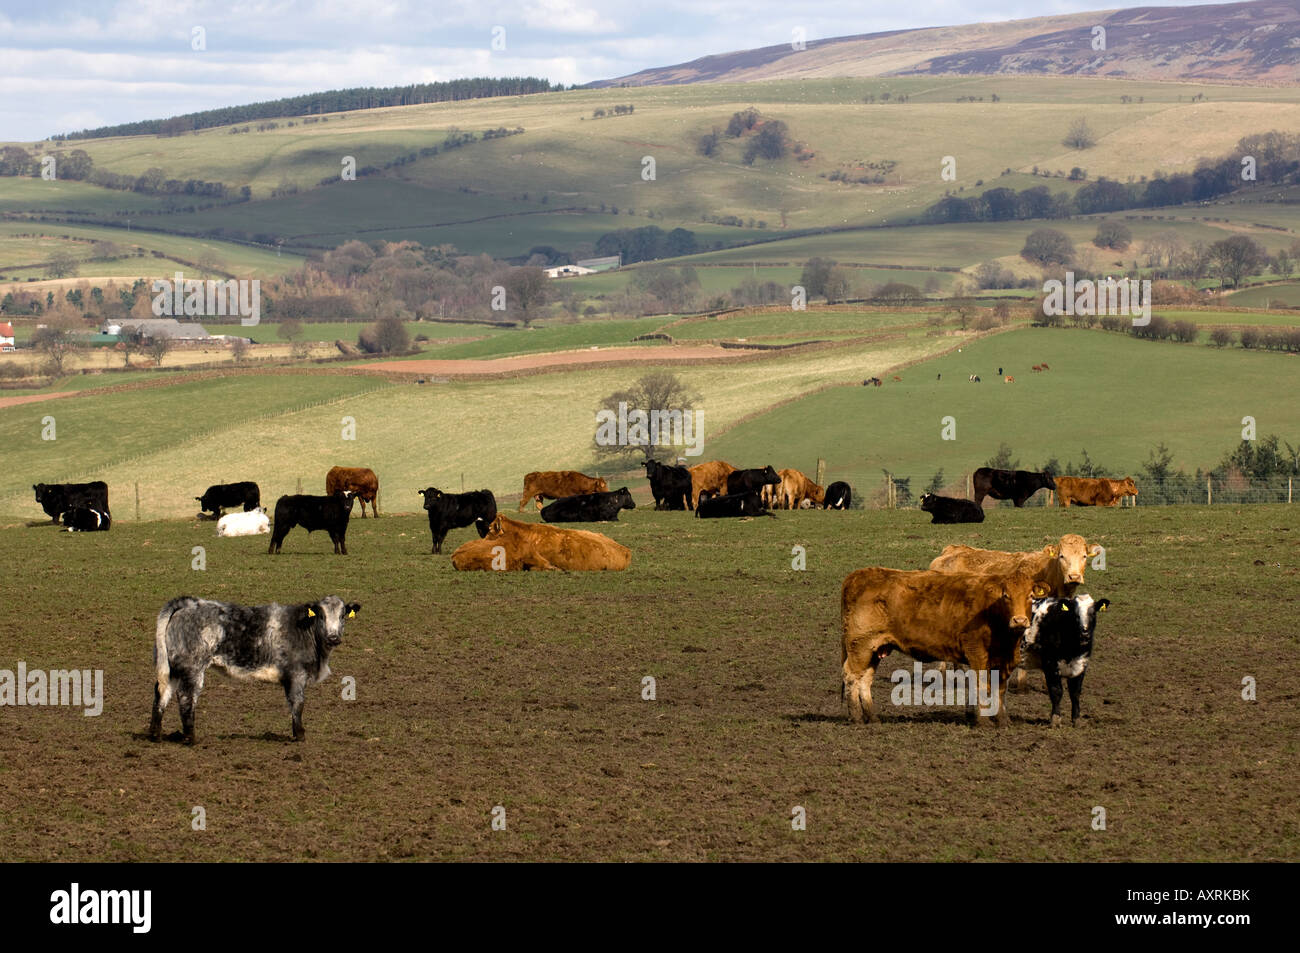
(67, 65)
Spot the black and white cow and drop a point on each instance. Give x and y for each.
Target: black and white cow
(273, 643)
(83, 519)
(449, 511)
(1059, 641)
(57, 498)
(589, 507)
(714, 506)
(752, 481)
(221, 495)
(669, 485)
(330, 513)
(839, 496)
(946, 509)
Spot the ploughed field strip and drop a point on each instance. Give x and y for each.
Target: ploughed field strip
(528, 690)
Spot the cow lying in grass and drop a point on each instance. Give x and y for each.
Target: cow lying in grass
(713, 506)
(512, 545)
(589, 507)
(84, 519)
(946, 509)
(272, 643)
(244, 524)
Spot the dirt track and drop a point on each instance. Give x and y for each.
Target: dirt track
(528, 362)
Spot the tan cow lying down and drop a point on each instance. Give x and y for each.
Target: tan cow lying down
(969, 618)
(556, 484)
(513, 545)
(709, 476)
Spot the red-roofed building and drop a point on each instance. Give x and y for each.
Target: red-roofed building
(6, 337)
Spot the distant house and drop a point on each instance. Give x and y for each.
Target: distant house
(602, 264)
(568, 271)
(6, 337)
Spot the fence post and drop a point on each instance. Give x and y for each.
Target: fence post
(970, 487)
(137, 502)
(821, 472)
(1288, 489)
(1209, 492)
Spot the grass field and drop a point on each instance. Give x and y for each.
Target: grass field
(525, 691)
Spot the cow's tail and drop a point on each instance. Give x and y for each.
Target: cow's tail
(162, 667)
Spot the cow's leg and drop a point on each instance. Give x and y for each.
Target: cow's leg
(1054, 690)
(1019, 679)
(187, 697)
(295, 691)
(524, 501)
(155, 720)
(1076, 687)
(979, 498)
(857, 689)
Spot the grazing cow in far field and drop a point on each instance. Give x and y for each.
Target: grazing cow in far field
(589, 507)
(752, 481)
(711, 475)
(669, 485)
(1015, 485)
(945, 509)
(221, 495)
(1045, 367)
(360, 481)
(449, 511)
(272, 643)
(512, 545)
(1009, 379)
(712, 505)
(57, 498)
(1090, 491)
(839, 496)
(330, 513)
(970, 618)
(1059, 641)
(83, 519)
(244, 524)
(556, 484)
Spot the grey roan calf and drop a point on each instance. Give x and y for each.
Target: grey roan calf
(272, 643)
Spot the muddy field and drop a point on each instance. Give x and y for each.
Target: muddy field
(524, 691)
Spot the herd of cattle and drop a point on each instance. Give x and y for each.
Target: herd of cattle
(996, 612)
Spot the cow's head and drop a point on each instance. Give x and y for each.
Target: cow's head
(1073, 553)
(625, 501)
(1016, 594)
(1046, 481)
(1078, 613)
(431, 496)
(325, 618)
(495, 529)
(770, 476)
(1130, 487)
(601, 486)
(927, 501)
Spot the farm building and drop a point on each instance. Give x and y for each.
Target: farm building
(568, 271)
(166, 327)
(6, 337)
(602, 264)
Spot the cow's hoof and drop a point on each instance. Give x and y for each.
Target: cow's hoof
(300, 736)
(1056, 721)
(155, 735)
(1076, 723)
(187, 740)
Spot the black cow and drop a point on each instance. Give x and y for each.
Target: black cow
(221, 495)
(713, 506)
(669, 485)
(330, 513)
(449, 511)
(1059, 641)
(1015, 485)
(83, 519)
(838, 496)
(273, 643)
(751, 481)
(57, 498)
(588, 507)
(945, 509)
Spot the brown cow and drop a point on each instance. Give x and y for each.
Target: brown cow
(540, 546)
(970, 618)
(359, 480)
(709, 476)
(1088, 491)
(556, 484)
(796, 489)
(1059, 566)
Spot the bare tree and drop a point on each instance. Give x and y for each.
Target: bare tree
(159, 345)
(239, 350)
(659, 390)
(57, 341)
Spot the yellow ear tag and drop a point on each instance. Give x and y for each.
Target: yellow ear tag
(352, 613)
(1103, 608)
(311, 614)
(1064, 607)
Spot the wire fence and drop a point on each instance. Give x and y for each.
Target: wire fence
(894, 491)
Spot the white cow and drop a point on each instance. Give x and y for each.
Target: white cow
(244, 524)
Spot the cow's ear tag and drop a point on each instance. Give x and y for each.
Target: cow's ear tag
(1064, 607)
(1102, 607)
(310, 613)
(352, 614)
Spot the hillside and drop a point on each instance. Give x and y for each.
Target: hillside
(1240, 42)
